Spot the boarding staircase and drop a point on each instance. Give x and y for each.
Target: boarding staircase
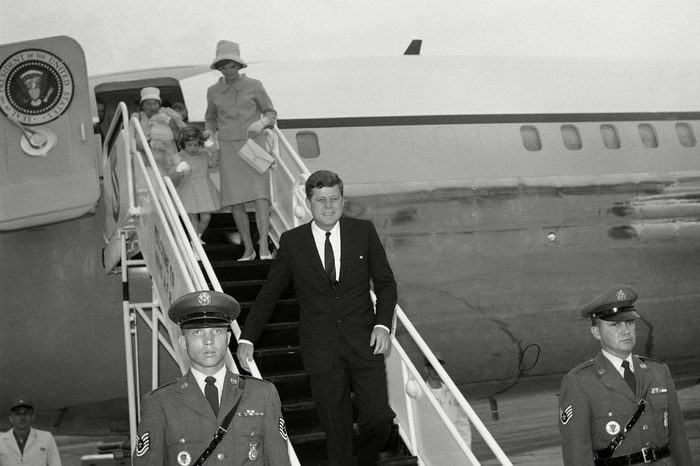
(148, 229)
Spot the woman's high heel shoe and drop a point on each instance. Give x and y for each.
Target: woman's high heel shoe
(247, 258)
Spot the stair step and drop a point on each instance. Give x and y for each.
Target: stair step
(287, 310)
(308, 435)
(229, 270)
(298, 404)
(271, 361)
(283, 334)
(247, 290)
(300, 417)
(293, 384)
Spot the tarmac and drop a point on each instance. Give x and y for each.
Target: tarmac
(526, 430)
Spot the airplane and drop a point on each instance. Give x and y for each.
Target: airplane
(507, 192)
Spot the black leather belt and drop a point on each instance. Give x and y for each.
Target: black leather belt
(645, 455)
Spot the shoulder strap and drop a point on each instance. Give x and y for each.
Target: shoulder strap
(608, 451)
(221, 431)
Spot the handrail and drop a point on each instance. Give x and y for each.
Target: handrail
(294, 173)
(447, 380)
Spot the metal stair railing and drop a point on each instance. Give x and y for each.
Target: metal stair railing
(406, 391)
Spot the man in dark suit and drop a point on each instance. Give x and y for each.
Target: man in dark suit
(332, 261)
(601, 418)
(179, 419)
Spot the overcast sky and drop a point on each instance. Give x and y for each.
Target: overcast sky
(131, 34)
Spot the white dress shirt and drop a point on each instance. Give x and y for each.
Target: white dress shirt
(219, 376)
(617, 362)
(320, 240)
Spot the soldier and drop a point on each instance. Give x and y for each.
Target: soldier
(620, 408)
(179, 420)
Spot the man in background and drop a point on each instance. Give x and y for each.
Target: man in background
(24, 445)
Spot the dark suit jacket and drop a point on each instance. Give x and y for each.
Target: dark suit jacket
(328, 313)
(177, 421)
(595, 403)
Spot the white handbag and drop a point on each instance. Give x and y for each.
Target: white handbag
(256, 156)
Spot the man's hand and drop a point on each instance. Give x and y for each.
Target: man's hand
(380, 340)
(245, 354)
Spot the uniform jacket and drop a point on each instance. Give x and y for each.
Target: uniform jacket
(232, 108)
(595, 404)
(177, 424)
(328, 312)
(40, 450)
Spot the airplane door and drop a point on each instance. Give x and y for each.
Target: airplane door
(48, 171)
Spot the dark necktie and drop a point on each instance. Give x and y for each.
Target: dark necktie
(629, 376)
(329, 259)
(212, 394)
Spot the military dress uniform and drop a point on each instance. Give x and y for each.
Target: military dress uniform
(596, 404)
(178, 423)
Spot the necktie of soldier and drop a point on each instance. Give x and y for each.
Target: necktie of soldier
(629, 376)
(212, 394)
(329, 259)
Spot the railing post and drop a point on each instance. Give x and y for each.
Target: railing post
(128, 322)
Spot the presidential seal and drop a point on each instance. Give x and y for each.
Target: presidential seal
(37, 87)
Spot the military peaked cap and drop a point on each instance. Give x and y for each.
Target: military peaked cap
(20, 402)
(615, 304)
(201, 309)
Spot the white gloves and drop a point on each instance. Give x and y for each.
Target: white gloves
(258, 126)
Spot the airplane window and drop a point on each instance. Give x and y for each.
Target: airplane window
(610, 137)
(648, 135)
(685, 133)
(531, 138)
(307, 145)
(571, 137)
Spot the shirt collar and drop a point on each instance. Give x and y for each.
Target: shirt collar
(219, 376)
(617, 362)
(321, 233)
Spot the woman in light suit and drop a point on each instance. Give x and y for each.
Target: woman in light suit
(239, 108)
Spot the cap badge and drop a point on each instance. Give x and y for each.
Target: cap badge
(204, 298)
(620, 295)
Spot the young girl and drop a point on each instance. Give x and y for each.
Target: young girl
(189, 170)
